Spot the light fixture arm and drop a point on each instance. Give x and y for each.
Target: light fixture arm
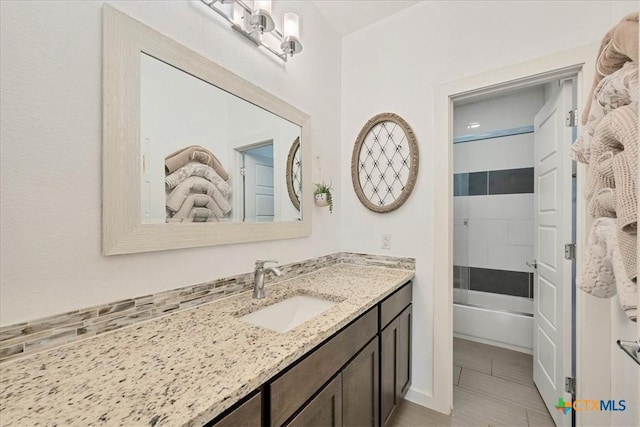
(253, 24)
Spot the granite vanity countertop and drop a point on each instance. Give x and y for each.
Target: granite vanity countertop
(185, 368)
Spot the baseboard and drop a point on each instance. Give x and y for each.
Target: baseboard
(422, 398)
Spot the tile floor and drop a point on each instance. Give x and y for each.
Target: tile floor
(492, 386)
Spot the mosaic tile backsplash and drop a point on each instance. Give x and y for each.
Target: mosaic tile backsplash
(42, 334)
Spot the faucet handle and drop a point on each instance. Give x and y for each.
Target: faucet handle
(260, 263)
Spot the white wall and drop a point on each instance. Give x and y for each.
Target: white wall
(394, 65)
(50, 156)
(498, 234)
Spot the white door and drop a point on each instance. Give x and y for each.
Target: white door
(258, 189)
(264, 192)
(552, 219)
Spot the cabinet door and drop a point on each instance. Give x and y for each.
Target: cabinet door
(325, 410)
(403, 367)
(388, 359)
(395, 363)
(360, 385)
(249, 414)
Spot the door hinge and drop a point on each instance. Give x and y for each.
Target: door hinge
(571, 120)
(243, 171)
(570, 251)
(570, 385)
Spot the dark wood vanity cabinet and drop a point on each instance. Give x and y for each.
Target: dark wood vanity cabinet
(350, 399)
(248, 414)
(354, 379)
(395, 350)
(297, 385)
(361, 388)
(395, 365)
(323, 410)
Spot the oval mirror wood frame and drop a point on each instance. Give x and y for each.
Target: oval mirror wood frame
(400, 170)
(291, 167)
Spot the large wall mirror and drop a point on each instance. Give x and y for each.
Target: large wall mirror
(193, 155)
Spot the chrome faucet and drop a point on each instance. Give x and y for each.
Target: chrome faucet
(258, 277)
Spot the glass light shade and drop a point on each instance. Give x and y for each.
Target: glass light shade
(291, 25)
(262, 5)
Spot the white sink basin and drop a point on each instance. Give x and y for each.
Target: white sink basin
(287, 314)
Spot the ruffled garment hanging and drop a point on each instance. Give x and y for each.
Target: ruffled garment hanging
(618, 46)
(604, 274)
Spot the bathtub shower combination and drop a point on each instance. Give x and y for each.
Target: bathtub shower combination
(501, 320)
(493, 219)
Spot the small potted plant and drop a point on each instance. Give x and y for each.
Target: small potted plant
(322, 195)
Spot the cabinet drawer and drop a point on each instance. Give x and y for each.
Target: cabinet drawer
(296, 386)
(394, 305)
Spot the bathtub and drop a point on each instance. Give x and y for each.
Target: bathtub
(500, 320)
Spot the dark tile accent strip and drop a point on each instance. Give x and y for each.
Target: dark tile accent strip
(53, 331)
(460, 277)
(504, 282)
(511, 181)
(478, 184)
(461, 184)
(507, 181)
(531, 285)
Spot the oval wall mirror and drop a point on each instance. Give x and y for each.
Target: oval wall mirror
(294, 173)
(384, 163)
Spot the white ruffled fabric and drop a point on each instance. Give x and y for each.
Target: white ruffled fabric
(614, 91)
(197, 169)
(604, 275)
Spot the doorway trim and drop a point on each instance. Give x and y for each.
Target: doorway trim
(578, 61)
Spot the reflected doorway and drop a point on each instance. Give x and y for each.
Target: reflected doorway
(257, 183)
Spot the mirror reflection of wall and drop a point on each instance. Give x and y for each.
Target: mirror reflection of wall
(202, 132)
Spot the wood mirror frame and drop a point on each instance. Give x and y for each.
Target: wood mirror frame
(122, 228)
(291, 158)
(411, 158)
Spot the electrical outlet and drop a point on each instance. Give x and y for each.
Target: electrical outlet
(386, 241)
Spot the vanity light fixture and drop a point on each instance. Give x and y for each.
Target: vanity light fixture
(261, 19)
(256, 24)
(291, 29)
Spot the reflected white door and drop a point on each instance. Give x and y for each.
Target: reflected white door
(552, 207)
(264, 192)
(258, 187)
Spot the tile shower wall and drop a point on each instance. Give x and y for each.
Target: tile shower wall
(493, 193)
